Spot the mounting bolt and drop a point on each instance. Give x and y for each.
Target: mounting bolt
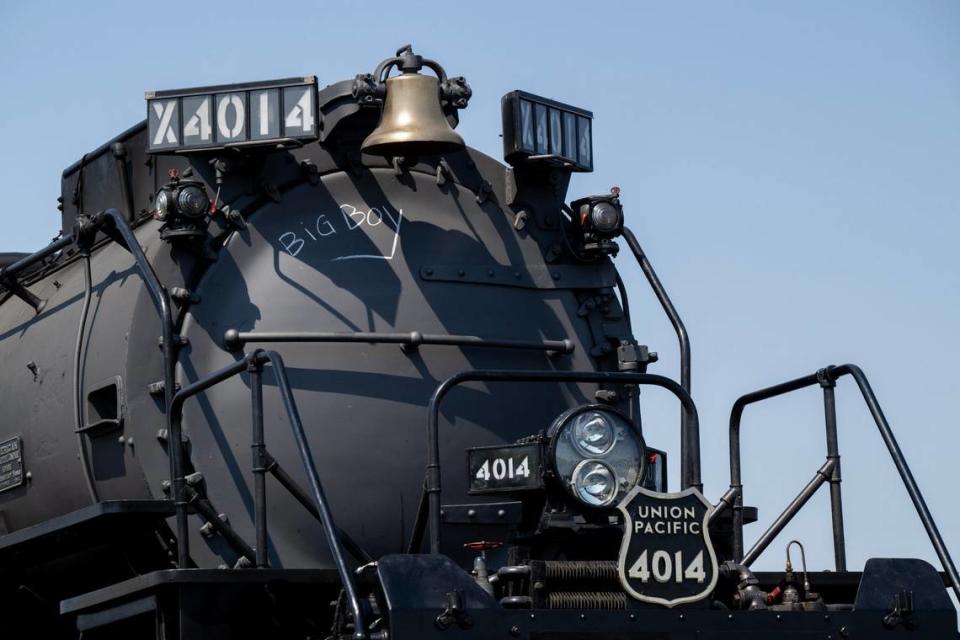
(515, 630)
(183, 295)
(206, 530)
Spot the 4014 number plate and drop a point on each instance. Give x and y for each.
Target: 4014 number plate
(509, 468)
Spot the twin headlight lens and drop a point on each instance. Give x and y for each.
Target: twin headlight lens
(597, 454)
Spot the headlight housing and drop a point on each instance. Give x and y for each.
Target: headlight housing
(597, 454)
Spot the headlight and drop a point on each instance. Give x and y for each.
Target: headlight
(594, 483)
(593, 433)
(597, 454)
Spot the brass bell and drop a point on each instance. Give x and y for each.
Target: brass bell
(412, 123)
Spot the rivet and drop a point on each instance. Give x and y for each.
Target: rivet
(429, 271)
(779, 617)
(514, 630)
(729, 616)
(633, 616)
(533, 616)
(682, 617)
(501, 513)
(461, 273)
(29, 475)
(556, 275)
(471, 513)
(490, 272)
(583, 616)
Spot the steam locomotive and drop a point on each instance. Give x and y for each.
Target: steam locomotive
(301, 364)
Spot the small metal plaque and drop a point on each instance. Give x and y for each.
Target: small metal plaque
(508, 468)
(11, 463)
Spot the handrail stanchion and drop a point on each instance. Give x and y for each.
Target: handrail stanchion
(833, 453)
(259, 454)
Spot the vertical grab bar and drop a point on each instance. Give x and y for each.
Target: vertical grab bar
(689, 437)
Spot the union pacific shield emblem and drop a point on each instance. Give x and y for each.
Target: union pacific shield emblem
(666, 556)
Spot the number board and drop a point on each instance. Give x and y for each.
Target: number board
(666, 556)
(11, 463)
(507, 468)
(256, 113)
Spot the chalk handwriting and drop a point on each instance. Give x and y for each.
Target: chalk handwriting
(325, 227)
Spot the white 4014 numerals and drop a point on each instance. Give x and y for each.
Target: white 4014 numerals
(665, 568)
(504, 468)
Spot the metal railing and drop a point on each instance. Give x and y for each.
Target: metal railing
(828, 473)
(262, 462)
(689, 435)
(429, 510)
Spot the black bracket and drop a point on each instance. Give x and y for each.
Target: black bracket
(454, 613)
(902, 612)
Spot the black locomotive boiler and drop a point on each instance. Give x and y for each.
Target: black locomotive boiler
(302, 364)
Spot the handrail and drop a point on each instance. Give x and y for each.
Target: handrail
(432, 484)
(254, 362)
(26, 261)
(690, 436)
(8, 274)
(115, 225)
(235, 340)
(826, 378)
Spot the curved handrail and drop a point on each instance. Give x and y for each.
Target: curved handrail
(827, 376)
(432, 485)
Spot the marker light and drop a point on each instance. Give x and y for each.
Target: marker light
(192, 201)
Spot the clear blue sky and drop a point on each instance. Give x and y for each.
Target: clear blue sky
(792, 169)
